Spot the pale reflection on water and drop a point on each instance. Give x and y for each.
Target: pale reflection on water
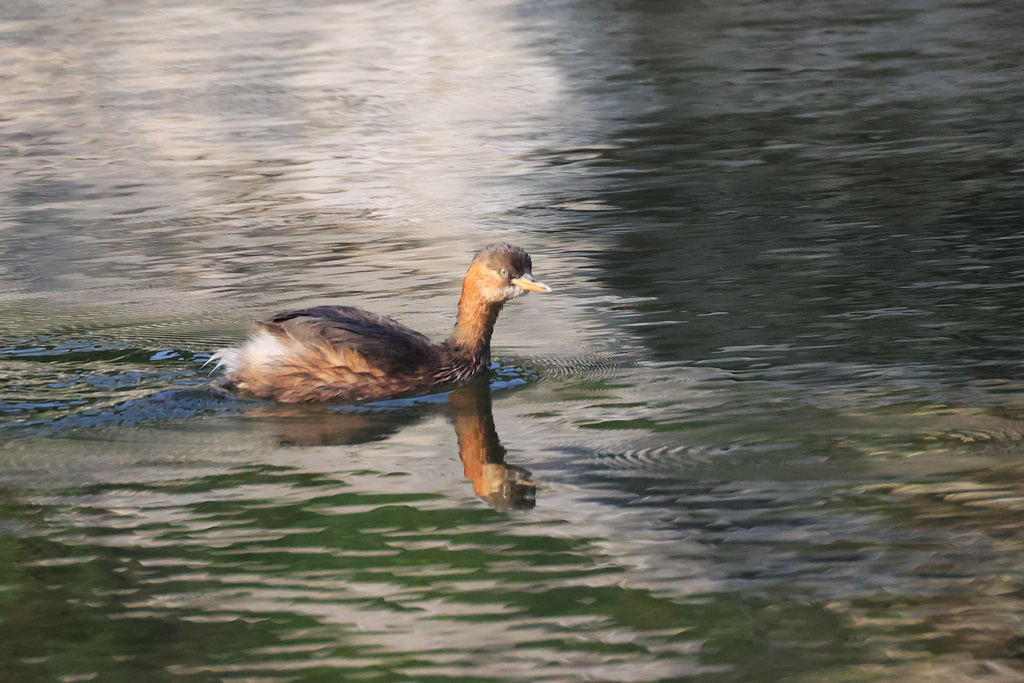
(767, 427)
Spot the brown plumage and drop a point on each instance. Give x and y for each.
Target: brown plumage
(341, 353)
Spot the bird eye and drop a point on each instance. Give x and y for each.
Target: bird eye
(502, 272)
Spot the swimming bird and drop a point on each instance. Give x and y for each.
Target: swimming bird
(345, 354)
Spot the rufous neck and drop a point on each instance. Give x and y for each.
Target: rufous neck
(475, 325)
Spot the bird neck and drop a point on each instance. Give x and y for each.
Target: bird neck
(472, 334)
(468, 350)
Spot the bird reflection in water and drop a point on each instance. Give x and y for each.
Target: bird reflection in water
(483, 457)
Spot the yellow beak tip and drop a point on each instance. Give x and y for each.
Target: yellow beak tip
(530, 284)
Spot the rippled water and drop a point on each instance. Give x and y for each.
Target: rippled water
(769, 425)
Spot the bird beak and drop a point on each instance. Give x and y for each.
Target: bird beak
(530, 283)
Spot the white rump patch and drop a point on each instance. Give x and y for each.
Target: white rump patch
(262, 349)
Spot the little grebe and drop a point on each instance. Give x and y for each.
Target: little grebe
(341, 353)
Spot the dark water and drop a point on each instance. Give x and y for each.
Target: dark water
(769, 425)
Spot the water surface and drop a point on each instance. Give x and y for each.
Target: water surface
(768, 426)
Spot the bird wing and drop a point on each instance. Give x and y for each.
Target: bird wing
(386, 345)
